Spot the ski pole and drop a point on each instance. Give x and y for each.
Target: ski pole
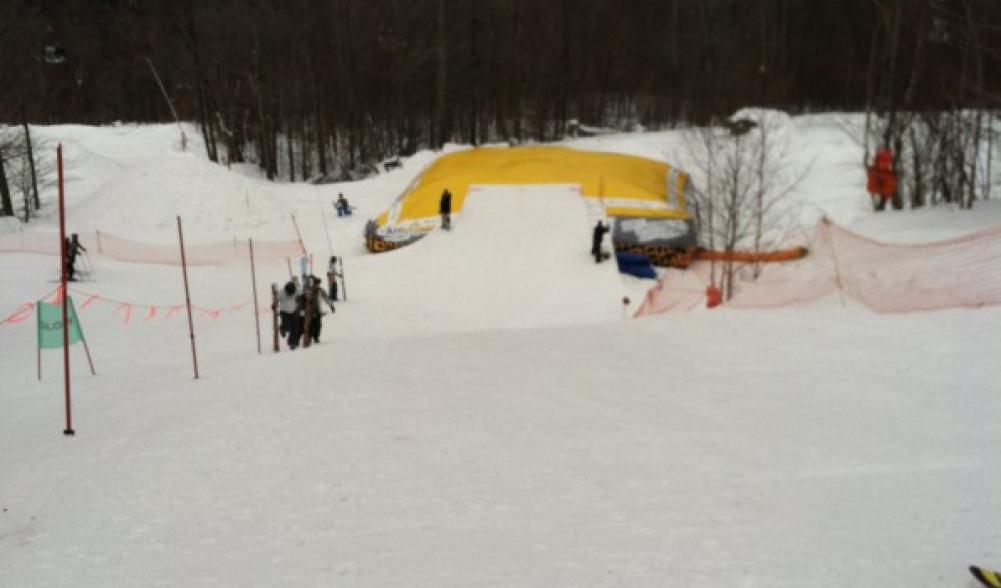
(344, 283)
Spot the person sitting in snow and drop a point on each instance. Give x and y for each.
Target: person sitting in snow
(342, 206)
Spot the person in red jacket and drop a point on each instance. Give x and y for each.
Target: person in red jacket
(882, 184)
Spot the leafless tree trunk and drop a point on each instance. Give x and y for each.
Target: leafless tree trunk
(6, 204)
(30, 154)
(441, 75)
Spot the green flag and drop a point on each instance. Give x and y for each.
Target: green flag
(50, 324)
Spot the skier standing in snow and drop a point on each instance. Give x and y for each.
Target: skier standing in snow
(296, 319)
(445, 209)
(316, 293)
(332, 275)
(286, 308)
(295, 324)
(73, 248)
(596, 237)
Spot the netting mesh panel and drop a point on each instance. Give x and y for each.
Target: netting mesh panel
(120, 249)
(963, 272)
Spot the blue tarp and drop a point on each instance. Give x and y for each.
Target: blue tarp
(635, 265)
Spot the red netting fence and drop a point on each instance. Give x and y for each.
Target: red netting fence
(118, 248)
(887, 278)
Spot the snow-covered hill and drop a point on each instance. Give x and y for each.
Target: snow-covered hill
(486, 440)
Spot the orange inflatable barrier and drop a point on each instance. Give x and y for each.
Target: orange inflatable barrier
(751, 256)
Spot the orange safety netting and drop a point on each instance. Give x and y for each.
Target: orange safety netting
(963, 272)
(100, 243)
(125, 311)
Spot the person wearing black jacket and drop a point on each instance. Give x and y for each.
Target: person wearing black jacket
(445, 209)
(596, 237)
(73, 248)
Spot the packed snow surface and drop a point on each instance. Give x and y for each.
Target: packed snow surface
(479, 412)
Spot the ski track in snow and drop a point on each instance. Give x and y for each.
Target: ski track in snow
(449, 432)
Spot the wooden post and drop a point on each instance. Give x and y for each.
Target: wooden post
(344, 281)
(187, 297)
(63, 253)
(100, 248)
(253, 284)
(289, 261)
(159, 82)
(323, 215)
(86, 350)
(834, 255)
(38, 344)
(274, 317)
(299, 235)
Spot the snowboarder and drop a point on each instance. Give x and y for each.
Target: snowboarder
(596, 237)
(341, 206)
(445, 209)
(73, 248)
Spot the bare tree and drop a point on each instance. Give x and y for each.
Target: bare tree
(745, 176)
(11, 148)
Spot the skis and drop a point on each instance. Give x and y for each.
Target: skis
(274, 315)
(987, 577)
(80, 278)
(307, 295)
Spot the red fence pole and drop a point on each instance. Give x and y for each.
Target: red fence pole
(253, 283)
(38, 345)
(187, 297)
(826, 223)
(63, 253)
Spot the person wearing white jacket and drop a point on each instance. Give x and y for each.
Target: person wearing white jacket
(286, 308)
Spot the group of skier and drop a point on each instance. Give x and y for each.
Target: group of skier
(298, 307)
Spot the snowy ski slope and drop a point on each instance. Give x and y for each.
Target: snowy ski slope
(523, 435)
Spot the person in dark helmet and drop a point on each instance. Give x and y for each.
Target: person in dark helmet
(286, 308)
(295, 325)
(316, 294)
(73, 249)
(332, 275)
(596, 238)
(445, 210)
(342, 206)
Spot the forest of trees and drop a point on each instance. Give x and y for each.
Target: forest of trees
(312, 88)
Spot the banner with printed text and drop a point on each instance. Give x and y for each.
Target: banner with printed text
(50, 324)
